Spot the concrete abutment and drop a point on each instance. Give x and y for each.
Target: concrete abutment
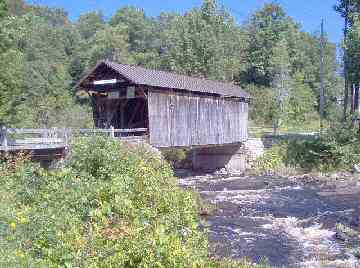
(234, 158)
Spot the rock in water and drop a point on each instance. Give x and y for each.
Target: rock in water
(357, 168)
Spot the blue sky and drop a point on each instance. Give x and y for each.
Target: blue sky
(307, 13)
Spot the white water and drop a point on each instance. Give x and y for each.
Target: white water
(309, 243)
(318, 244)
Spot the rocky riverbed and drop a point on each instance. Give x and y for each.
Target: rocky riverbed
(292, 222)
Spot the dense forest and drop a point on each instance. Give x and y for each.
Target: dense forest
(44, 54)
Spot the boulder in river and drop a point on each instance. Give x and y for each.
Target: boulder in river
(357, 168)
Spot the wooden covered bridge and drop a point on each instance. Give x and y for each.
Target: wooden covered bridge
(173, 110)
(169, 111)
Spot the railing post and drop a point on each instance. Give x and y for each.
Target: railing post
(4, 140)
(112, 132)
(53, 134)
(67, 138)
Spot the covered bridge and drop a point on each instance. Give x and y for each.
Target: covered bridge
(172, 110)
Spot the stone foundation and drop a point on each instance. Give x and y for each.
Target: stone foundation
(235, 158)
(229, 157)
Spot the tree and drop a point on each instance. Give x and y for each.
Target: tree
(35, 84)
(310, 69)
(3, 9)
(139, 27)
(348, 10)
(343, 9)
(205, 42)
(11, 74)
(88, 24)
(272, 37)
(109, 43)
(264, 31)
(280, 66)
(353, 50)
(143, 35)
(52, 16)
(302, 103)
(48, 54)
(16, 7)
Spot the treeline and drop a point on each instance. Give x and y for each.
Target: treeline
(43, 54)
(350, 11)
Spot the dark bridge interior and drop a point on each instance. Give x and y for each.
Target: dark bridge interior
(121, 113)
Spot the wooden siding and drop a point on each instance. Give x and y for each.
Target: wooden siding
(185, 120)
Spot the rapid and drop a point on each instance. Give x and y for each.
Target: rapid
(290, 222)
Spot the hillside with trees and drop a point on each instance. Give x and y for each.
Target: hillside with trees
(115, 204)
(269, 55)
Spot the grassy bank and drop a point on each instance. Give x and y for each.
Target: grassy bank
(109, 206)
(337, 149)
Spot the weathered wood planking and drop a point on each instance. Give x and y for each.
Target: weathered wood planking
(184, 120)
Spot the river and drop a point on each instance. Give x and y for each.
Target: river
(290, 222)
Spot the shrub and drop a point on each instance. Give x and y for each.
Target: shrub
(271, 160)
(177, 157)
(338, 148)
(108, 207)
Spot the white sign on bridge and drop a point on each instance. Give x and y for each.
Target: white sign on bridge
(105, 82)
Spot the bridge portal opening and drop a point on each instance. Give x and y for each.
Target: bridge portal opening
(121, 109)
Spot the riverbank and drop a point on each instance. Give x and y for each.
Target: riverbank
(298, 221)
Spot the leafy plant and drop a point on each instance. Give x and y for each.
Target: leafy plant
(108, 207)
(271, 160)
(176, 157)
(338, 148)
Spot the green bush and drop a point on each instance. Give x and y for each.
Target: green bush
(271, 160)
(177, 157)
(108, 207)
(337, 149)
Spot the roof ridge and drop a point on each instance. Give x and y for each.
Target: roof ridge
(170, 80)
(171, 73)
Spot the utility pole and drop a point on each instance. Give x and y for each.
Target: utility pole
(322, 78)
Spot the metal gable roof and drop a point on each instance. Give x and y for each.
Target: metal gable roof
(167, 80)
